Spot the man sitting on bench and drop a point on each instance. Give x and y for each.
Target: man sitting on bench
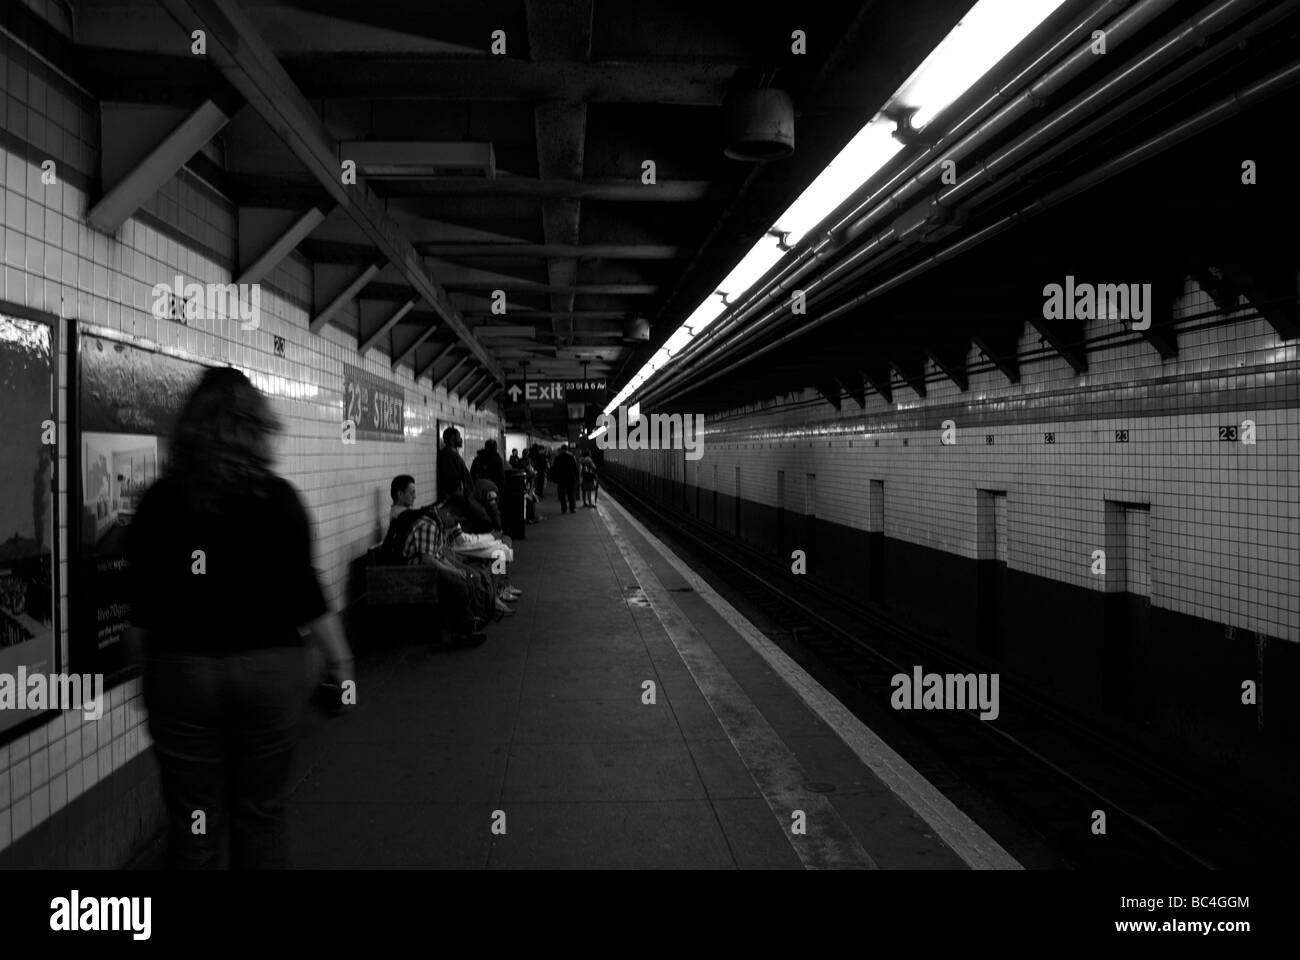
(415, 536)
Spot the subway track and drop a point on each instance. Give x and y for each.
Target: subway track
(1034, 778)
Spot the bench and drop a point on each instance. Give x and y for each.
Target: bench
(388, 586)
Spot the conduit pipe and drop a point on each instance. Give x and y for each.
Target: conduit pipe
(929, 165)
(815, 250)
(1212, 19)
(1218, 112)
(1102, 95)
(1247, 34)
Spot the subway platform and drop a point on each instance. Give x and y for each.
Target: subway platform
(625, 717)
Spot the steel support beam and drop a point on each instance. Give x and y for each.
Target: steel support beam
(127, 195)
(532, 251)
(475, 381)
(451, 370)
(249, 65)
(1064, 343)
(365, 344)
(830, 391)
(406, 351)
(347, 296)
(271, 254)
(1001, 354)
(424, 368)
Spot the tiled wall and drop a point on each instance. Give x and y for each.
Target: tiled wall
(54, 262)
(1224, 520)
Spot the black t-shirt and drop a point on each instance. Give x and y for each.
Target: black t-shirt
(259, 584)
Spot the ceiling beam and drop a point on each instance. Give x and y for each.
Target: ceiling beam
(451, 370)
(273, 247)
(1066, 342)
(690, 82)
(400, 355)
(471, 381)
(1270, 289)
(560, 31)
(912, 370)
(589, 251)
(877, 375)
(558, 289)
(1001, 352)
(248, 64)
(128, 194)
(346, 296)
(851, 381)
(830, 391)
(438, 355)
(548, 188)
(486, 393)
(365, 343)
(951, 360)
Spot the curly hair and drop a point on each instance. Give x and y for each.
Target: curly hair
(221, 445)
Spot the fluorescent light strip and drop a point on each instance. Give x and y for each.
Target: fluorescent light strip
(983, 37)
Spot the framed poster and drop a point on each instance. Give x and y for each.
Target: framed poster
(29, 561)
(127, 400)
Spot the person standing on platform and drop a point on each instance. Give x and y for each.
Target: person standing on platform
(222, 589)
(538, 457)
(587, 473)
(494, 468)
(453, 476)
(566, 478)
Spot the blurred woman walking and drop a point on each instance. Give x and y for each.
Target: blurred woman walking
(223, 589)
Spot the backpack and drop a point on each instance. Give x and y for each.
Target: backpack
(392, 550)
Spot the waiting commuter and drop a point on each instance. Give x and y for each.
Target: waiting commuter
(516, 462)
(494, 467)
(488, 496)
(416, 536)
(587, 473)
(453, 476)
(538, 457)
(225, 668)
(566, 478)
(478, 466)
(530, 491)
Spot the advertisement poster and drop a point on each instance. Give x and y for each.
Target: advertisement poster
(28, 592)
(377, 409)
(129, 399)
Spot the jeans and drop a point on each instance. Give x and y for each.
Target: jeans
(458, 603)
(224, 728)
(565, 492)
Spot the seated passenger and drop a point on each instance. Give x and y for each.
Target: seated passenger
(415, 536)
(474, 536)
(488, 496)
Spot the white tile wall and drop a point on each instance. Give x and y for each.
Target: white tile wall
(52, 261)
(1224, 521)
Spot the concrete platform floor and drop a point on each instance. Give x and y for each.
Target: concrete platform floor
(537, 750)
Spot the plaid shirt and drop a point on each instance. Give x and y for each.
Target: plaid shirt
(426, 537)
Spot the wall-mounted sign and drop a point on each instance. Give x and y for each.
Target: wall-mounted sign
(540, 392)
(376, 407)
